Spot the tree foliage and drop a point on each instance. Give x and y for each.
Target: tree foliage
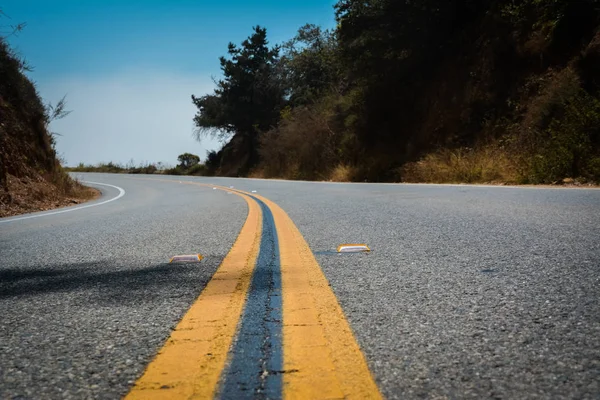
(213, 160)
(399, 78)
(249, 98)
(188, 160)
(310, 65)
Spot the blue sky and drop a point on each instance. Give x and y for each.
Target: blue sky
(129, 67)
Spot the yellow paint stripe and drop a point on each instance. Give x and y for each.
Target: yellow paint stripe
(191, 361)
(320, 354)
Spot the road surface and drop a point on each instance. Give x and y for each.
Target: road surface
(469, 292)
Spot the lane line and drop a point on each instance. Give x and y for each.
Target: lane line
(255, 359)
(321, 357)
(45, 214)
(191, 361)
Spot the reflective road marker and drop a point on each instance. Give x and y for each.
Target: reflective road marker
(320, 356)
(191, 361)
(186, 258)
(353, 248)
(320, 353)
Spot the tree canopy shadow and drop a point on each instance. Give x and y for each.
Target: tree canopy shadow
(109, 280)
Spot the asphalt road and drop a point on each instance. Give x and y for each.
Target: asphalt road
(469, 292)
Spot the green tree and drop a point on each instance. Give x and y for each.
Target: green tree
(188, 160)
(309, 64)
(391, 50)
(249, 98)
(213, 159)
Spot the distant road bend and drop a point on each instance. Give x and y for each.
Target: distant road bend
(469, 292)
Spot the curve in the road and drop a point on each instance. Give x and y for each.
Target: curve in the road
(317, 352)
(194, 356)
(65, 210)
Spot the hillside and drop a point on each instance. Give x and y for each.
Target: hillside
(429, 91)
(31, 177)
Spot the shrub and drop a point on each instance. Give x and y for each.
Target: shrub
(198, 169)
(213, 159)
(343, 173)
(174, 171)
(303, 146)
(484, 164)
(148, 169)
(560, 137)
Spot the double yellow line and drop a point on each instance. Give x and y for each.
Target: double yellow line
(321, 359)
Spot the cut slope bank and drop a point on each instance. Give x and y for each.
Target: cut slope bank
(31, 177)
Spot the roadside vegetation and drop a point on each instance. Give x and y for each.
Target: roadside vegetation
(490, 91)
(31, 177)
(497, 91)
(115, 168)
(189, 164)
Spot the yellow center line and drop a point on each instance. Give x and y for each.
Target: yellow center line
(321, 357)
(191, 361)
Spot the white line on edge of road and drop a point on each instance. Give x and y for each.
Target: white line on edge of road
(121, 194)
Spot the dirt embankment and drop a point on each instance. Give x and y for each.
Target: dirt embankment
(31, 177)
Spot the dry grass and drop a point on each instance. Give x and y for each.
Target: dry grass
(116, 168)
(303, 146)
(488, 164)
(559, 135)
(28, 194)
(257, 173)
(343, 173)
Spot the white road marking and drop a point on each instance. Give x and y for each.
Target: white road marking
(121, 194)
